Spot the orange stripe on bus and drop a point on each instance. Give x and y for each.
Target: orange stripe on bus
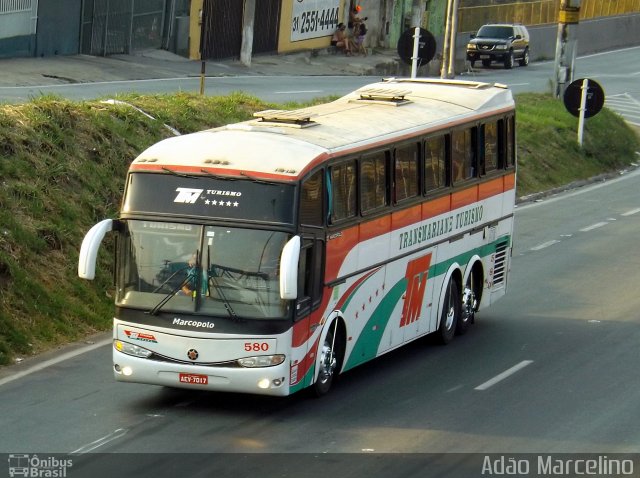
(216, 171)
(509, 182)
(491, 188)
(436, 207)
(374, 228)
(464, 198)
(405, 217)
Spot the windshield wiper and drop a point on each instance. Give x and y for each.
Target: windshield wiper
(217, 176)
(182, 175)
(168, 297)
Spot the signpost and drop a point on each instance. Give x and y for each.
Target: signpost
(583, 98)
(416, 47)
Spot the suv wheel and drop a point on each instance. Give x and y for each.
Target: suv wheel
(524, 61)
(508, 60)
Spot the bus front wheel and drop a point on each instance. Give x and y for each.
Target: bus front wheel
(450, 312)
(328, 362)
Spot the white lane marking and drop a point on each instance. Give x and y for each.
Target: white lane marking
(503, 375)
(54, 361)
(293, 92)
(631, 213)
(593, 55)
(544, 244)
(586, 189)
(593, 226)
(120, 432)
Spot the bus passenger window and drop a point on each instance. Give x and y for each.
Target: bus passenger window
(435, 172)
(462, 154)
(510, 140)
(491, 162)
(373, 177)
(406, 172)
(343, 191)
(311, 200)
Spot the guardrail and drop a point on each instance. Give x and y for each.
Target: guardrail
(539, 12)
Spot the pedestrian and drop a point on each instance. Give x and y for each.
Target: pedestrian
(340, 40)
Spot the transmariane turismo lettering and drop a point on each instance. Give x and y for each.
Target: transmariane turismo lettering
(442, 226)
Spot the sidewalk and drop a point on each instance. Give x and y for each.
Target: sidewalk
(157, 64)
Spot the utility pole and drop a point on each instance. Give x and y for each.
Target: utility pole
(566, 45)
(203, 63)
(248, 18)
(447, 69)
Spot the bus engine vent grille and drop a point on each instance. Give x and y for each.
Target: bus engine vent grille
(500, 263)
(291, 118)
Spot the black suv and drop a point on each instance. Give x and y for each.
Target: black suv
(503, 43)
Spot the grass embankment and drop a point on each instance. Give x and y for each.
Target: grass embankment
(62, 169)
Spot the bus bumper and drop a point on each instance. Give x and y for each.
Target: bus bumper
(272, 381)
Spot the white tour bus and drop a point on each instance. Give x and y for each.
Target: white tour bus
(271, 255)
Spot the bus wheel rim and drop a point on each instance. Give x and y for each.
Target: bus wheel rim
(327, 363)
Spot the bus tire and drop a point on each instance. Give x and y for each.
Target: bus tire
(450, 312)
(468, 308)
(329, 360)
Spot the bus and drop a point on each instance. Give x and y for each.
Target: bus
(274, 254)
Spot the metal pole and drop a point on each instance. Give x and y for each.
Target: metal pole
(414, 56)
(583, 107)
(203, 63)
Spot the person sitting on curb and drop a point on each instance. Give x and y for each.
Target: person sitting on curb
(340, 40)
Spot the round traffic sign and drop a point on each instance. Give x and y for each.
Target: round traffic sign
(594, 100)
(426, 46)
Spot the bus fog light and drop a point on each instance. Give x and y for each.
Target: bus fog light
(130, 349)
(277, 382)
(261, 361)
(127, 371)
(264, 383)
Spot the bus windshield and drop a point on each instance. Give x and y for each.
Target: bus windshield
(205, 270)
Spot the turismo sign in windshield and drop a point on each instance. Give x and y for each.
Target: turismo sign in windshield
(208, 197)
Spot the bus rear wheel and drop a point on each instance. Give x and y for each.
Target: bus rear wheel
(328, 363)
(469, 305)
(450, 313)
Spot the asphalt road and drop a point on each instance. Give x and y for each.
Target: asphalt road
(550, 368)
(617, 71)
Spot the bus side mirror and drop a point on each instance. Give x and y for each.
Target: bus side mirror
(289, 269)
(89, 249)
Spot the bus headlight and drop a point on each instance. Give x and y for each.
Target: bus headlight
(261, 361)
(131, 349)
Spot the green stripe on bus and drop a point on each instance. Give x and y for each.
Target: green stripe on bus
(368, 343)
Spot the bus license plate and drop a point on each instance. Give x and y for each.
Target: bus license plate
(194, 379)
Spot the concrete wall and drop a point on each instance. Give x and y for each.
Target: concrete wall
(17, 32)
(600, 34)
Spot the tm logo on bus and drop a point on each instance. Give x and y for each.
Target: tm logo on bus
(187, 195)
(416, 275)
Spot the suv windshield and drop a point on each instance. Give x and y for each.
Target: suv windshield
(208, 270)
(491, 31)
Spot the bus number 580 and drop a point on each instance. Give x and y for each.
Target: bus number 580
(256, 346)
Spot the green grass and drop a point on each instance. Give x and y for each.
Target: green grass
(62, 169)
(548, 152)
